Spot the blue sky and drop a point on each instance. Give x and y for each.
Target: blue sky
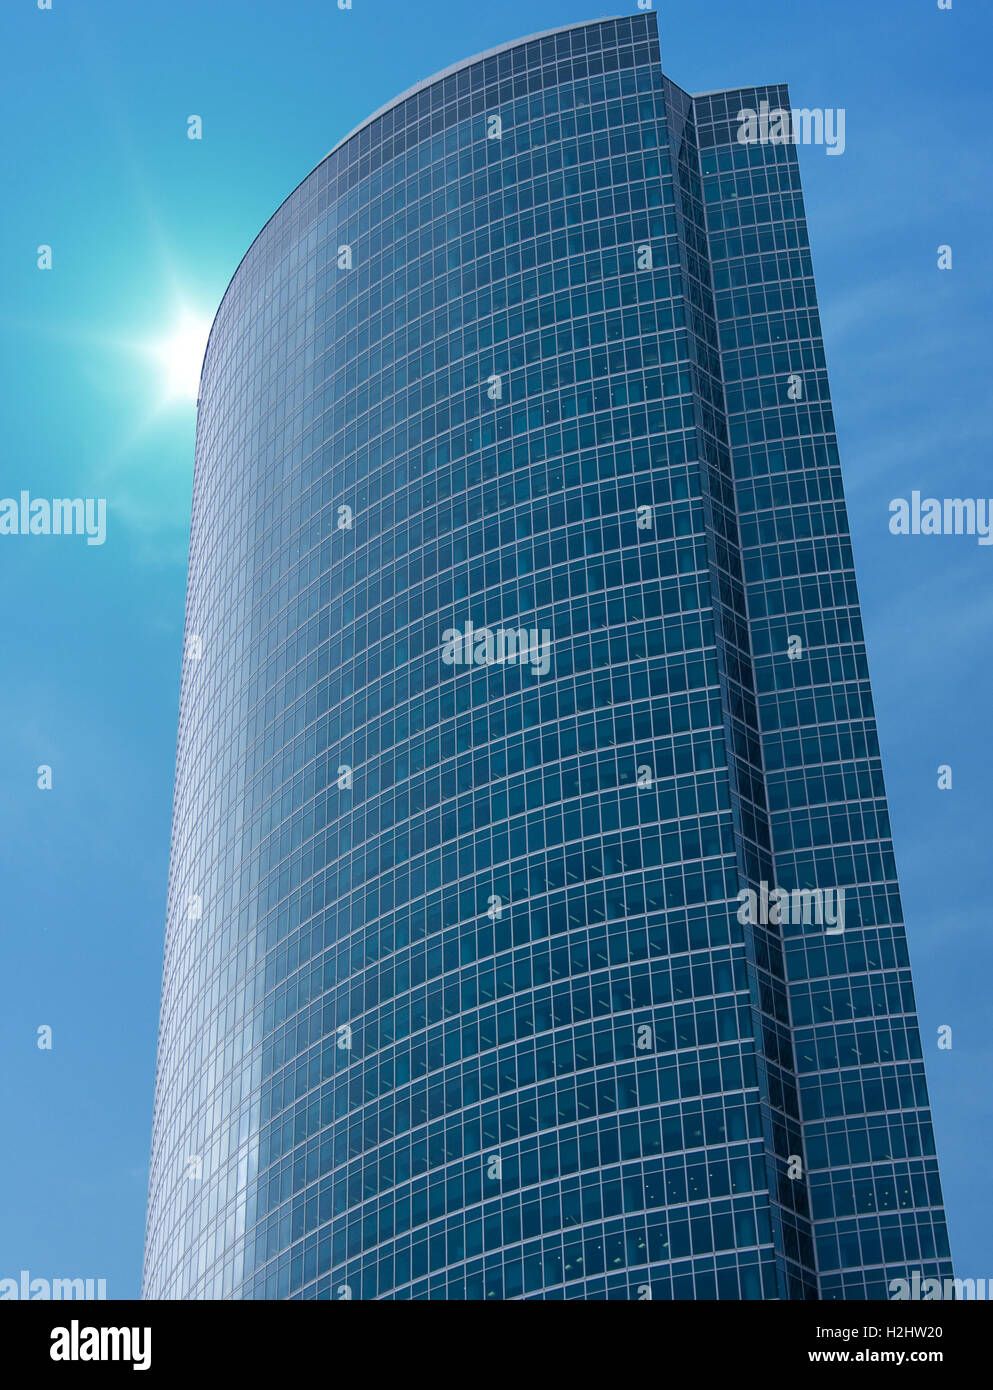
(143, 222)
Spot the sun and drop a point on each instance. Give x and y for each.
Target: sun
(180, 356)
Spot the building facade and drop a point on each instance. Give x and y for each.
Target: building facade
(523, 644)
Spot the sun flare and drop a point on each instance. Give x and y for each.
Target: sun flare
(180, 356)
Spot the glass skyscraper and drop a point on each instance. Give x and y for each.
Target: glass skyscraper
(523, 643)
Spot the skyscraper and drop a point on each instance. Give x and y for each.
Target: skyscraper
(533, 925)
